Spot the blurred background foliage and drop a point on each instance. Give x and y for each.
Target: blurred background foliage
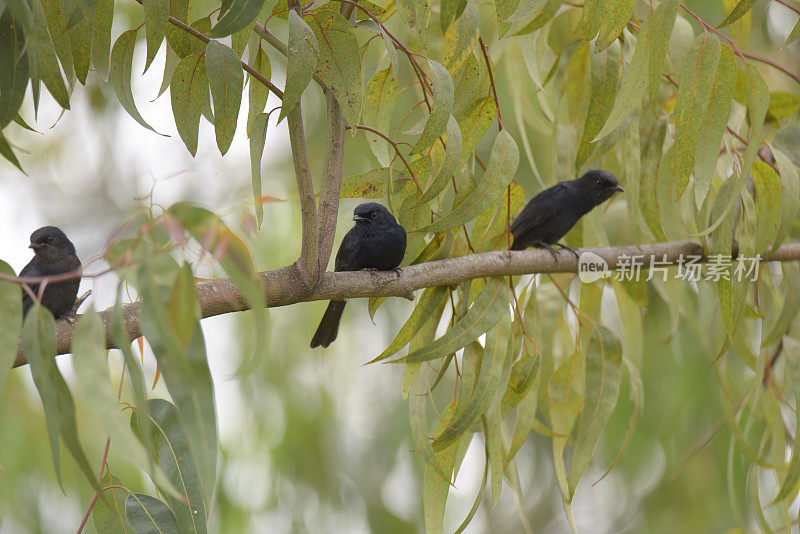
(317, 442)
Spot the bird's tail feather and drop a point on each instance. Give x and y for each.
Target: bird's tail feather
(329, 325)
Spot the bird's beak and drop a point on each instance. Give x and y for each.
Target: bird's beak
(357, 218)
(36, 246)
(619, 188)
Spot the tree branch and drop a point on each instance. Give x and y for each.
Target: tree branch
(284, 286)
(331, 179)
(308, 263)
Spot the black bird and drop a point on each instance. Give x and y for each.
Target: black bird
(376, 242)
(553, 212)
(54, 253)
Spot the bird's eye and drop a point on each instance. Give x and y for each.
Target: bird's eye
(373, 215)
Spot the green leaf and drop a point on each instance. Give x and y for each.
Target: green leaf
(380, 99)
(101, 36)
(391, 51)
(548, 12)
(659, 35)
(487, 309)
(182, 42)
(757, 103)
(10, 321)
(120, 74)
(368, 184)
(768, 196)
(499, 173)
(234, 256)
(495, 457)
(258, 136)
(189, 94)
(14, 66)
(59, 34)
(430, 300)
(452, 157)
(156, 18)
(505, 9)
(450, 10)
(637, 400)
(418, 416)
(42, 57)
(148, 515)
(241, 15)
(135, 375)
(226, 79)
(339, 62)
(565, 397)
(258, 92)
(91, 367)
(495, 367)
(603, 378)
(474, 121)
(472, 80)
(417, 14)
(790, 183)
(467, 35)
(694, 94)
(782, 105)
(604, 80)
(791, 481)
(591, 18)
(175, 459)
(436, 488)
(80, 38)
(738, 12)
(171, 323)
(39, 344)
(301, 62)
(77, 11)
(794, 35)
(710, 135)
(633, 85)
(108, 514)
(441, 107)
(615, 19)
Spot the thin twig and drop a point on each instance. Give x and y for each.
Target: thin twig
(485, 51)
(394, 145)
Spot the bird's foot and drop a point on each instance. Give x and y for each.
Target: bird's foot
(565, 247)
(398, 272)
(548, 248)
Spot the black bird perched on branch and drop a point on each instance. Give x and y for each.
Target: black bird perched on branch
(54, 253)
(376, 242)
(553, 212)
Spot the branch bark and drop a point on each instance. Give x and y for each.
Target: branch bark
(331, 179)
(284, 286)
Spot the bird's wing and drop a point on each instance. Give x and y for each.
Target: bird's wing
(348, 252)
(539, 210)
